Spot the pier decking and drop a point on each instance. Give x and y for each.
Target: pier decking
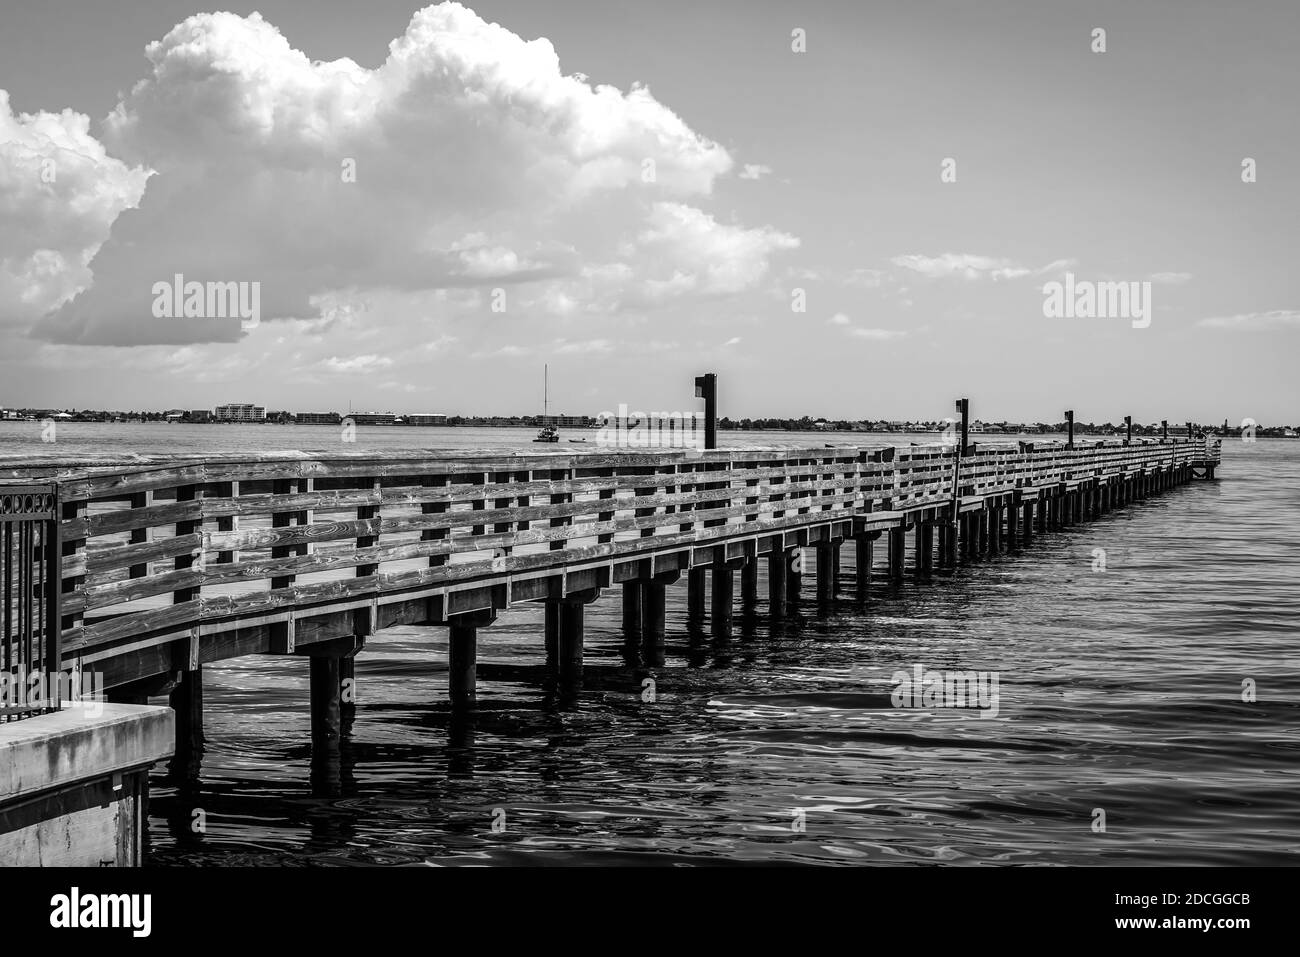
(171, 563)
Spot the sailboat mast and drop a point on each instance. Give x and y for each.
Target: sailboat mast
(546, 390)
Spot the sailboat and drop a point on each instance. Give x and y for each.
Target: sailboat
(548, 433)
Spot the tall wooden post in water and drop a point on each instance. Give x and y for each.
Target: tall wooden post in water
(706, 388)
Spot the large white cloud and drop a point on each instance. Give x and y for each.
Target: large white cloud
(477, 163)
(59, 194)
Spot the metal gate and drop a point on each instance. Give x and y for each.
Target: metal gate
(30, 569)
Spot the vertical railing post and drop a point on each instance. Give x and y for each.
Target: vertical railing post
(53, 542)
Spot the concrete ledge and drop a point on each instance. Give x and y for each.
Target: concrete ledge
(56, 750)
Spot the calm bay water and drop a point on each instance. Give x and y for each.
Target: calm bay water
(1119, 690)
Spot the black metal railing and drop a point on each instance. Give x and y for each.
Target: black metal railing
(30, 573)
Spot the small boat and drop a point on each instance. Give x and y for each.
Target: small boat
(548, 433)
(577, 440)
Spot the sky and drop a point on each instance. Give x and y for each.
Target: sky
(844, 210)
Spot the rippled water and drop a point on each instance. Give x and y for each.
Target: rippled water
(1119, 690)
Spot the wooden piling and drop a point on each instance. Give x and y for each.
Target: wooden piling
(695, 596)
(186, 699)
(794, 577)
(749, 585)
(924, 548)
(653, 614)
(571, 637)
(825, 573)
(326, 697)
(862, 561)
(897, 553)
(723, 582)
(552, 634)
(462, 658)
(632, 598)
(776, 581)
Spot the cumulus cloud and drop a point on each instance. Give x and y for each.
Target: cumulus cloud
(962, 266)
(878, 335)
(467, 160)
(366, 363)
(59, 194)
(1273, 319)
(839, 319)
(754, 171)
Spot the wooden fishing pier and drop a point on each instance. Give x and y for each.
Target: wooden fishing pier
(167, 564)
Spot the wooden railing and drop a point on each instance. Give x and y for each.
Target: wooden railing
(153, 548)
(30, 652)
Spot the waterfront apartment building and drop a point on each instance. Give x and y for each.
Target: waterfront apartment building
(241, 412)
(567, 421)
(372, 418)
(426, 418)
(318, 418)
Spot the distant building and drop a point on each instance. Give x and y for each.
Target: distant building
(426, 418)
(318, 418)
(200, 415)
(240, 412)
(371, 418)
(566, 421)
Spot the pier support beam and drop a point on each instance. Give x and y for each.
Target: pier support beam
(795, 559)
(1013, 530)
(777, 566)
(1029, 522)
(186, 700)
(723, 583)
(654, 612)
(897, 553)
(924, 548)
(749, 586)
(695, 597)
(552, 634)
(863, 558)
(969, 537)
(826, 572)
(326, 702)
(462, 656)
(572, 616)
(633, 595)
